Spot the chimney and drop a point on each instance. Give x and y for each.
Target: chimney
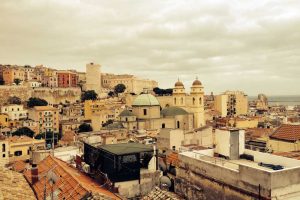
(34, 174)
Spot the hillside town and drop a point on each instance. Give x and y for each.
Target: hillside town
(66, 134)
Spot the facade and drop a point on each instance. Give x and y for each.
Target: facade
(146, 114)
(286, 138)
(20, 147)
(47, 118)
(15, 112)
(4, 152)
(4, 120)
(67, 79)
(93, 77)
(133, 84)
(231, 103)
(10, 73)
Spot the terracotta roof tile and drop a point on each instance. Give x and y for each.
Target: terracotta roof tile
(287, 132)
(69, 183)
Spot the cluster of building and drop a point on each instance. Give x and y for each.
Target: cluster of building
(140, 145)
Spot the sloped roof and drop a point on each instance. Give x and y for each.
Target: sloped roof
(287, 132)
(126, 113)
(69, 184)
(145, 100)
(173, 111)
(14, 186)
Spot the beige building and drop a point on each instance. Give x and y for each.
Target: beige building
(14, 111)
(231, 103)
(4, 150)
(146, 114)
(20, 147)
(93, 77)
(192, 103)
(285, 138)
(132, 83)
(47, 118)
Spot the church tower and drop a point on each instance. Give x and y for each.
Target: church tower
(197, 104)
(179, 94)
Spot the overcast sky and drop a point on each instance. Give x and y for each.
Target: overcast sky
(249, 45)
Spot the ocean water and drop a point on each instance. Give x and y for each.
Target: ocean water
(286, 100)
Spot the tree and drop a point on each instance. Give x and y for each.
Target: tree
(33, 101)
(120, 88)
(50, 136)
(108, 122)
(84, 128)
(14, 100)
(111, 93)
(89, 95)
(161, 92)
(24, 131)
(17, 81)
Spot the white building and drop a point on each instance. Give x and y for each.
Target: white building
(15, 112)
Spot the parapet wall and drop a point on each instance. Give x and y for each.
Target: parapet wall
(215, 181)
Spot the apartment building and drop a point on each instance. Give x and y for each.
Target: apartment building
(47, 118)
(15, 112)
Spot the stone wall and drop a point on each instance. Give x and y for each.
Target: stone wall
(22, 92)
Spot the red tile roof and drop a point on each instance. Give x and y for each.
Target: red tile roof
(19, 166)
(292, 154)
(69, 182)
(287, 132)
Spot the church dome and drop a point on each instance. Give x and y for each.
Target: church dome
(145, 100)
(173, 111)
(197, 82)
(179, 84)
(126, 113)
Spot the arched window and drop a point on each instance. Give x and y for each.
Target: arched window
(181, 100)
(194, 101)
(178, 124)
(174, 101)
(200, 101)
(163, 125)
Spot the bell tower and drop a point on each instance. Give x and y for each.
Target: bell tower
(197, 104)
(179, 94)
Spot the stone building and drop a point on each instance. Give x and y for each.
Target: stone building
(93, 77)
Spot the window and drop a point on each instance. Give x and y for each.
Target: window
(181, 100)
(163, 125)
(3, 147)
(178, 124)
(145, 111)
(174, 101)
(18, 153)
(126, 119)
(193, 101)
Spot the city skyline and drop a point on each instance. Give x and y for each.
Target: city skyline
(249, 46)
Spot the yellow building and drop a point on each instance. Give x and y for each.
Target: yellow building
(231, 103)
(4, 120)
(12, 73)
(4, 149)
(285, 138)
(192, 103)
(47, 118)
(244, 123)
(147, 115)
(20, 147)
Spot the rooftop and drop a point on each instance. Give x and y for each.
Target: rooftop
(14, 186)
(287, 132)
(69, 183)
(44, 108)
(145, 100)
(126, 148)
(173, 111)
